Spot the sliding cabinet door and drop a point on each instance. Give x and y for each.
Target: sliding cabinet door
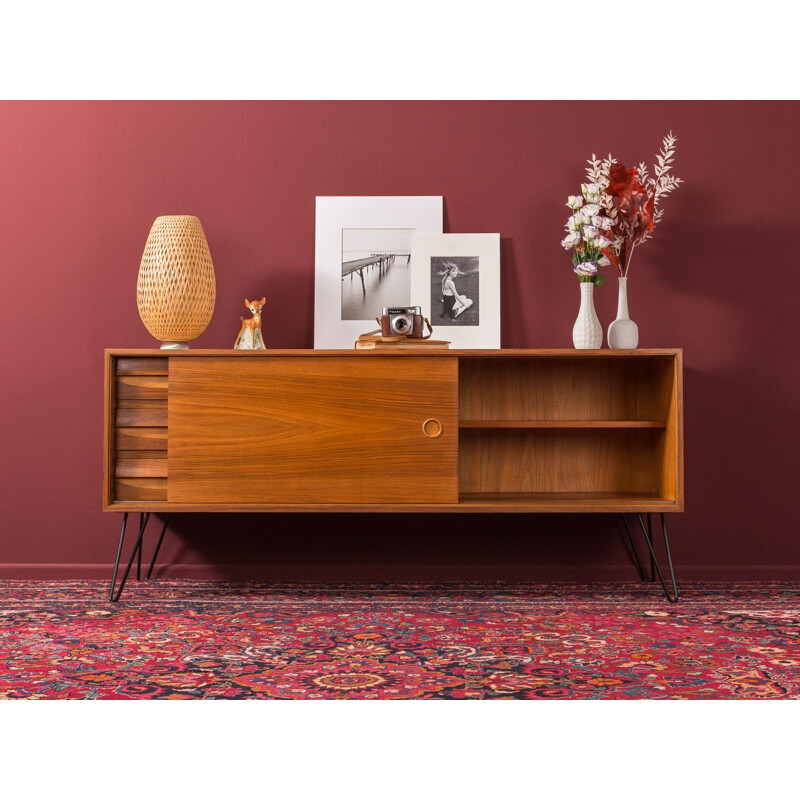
(313, 429)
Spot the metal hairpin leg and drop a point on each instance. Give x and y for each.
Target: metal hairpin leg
(158, 547)
(136, 553)
(639, 566)
(655, 568)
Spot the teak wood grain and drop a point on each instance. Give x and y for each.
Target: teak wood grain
(544, 389)
(141, 387)
(563, 423)
(141, 439)
(141, 464)
(135, 451)
(150, 489)
(524, 430)
(141, 413)
(142, 365)
(300, 430)
(590, 461)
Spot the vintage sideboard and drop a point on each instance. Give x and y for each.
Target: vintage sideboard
(442, 431)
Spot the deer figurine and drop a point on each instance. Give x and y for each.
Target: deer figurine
(250, 337)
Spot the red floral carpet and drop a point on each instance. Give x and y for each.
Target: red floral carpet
(197, 639)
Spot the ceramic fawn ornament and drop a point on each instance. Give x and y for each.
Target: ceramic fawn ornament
(250, 335)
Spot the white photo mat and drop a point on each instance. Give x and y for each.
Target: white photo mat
(475, 257)
(369, 226)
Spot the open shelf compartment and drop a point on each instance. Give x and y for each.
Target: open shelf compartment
(502, 391)
(571, 433)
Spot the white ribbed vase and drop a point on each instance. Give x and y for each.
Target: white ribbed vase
(587, 334)
(623, 332)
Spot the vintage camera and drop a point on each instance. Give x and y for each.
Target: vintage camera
(402, 322)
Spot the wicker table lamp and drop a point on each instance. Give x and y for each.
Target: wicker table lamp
(176, 288)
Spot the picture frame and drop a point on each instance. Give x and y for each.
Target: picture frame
(458, 277)
(363, 261)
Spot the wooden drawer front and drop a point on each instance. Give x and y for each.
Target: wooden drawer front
(142, 464)
(141, 439)
(312, 430)
(141, 365)
(140, 489)
(142, 387)
(140, 429)
(144, 414)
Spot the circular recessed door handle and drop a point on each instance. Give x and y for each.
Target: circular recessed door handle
(432, 428)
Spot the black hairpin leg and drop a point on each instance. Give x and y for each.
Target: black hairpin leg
(655, 568)
(144, 518)
(649, 538)
(639, 567)
(158, 547)
(113, 595)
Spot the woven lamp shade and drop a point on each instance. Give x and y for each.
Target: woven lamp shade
(176, 288)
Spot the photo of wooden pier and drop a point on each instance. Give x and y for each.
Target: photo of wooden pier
(375, 276)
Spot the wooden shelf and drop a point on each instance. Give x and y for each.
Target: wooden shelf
(570, 434)
(569, 501)
(563, 423)
(557, 497)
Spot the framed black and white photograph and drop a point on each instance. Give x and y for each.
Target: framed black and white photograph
(458, 275)
(376, 270)
(455, 283)
(363, 261)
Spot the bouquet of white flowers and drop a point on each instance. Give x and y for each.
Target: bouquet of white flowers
(588, 234)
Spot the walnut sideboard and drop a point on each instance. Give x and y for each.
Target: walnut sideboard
(458, 431)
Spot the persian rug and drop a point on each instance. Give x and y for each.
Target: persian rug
(171, 639)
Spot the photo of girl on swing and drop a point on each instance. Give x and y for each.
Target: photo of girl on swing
(455, 285)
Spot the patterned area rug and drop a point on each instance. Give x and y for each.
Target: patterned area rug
(198, 639)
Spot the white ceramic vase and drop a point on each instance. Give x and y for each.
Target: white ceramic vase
(587, 334)
(623, 332)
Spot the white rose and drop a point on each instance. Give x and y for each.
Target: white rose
(590, 232)
(571, 241)
(590, 210)
(574, 201)
(591, 188)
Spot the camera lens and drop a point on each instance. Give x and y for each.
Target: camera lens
(401, 325)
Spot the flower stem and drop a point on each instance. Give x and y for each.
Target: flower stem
(628, 258)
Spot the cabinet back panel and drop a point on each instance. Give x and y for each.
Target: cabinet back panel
(564, 388)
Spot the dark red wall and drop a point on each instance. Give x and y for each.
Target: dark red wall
(83, 182)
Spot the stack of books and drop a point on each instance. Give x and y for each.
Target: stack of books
(399, 343)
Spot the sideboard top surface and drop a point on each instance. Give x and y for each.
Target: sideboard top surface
(423, 351)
